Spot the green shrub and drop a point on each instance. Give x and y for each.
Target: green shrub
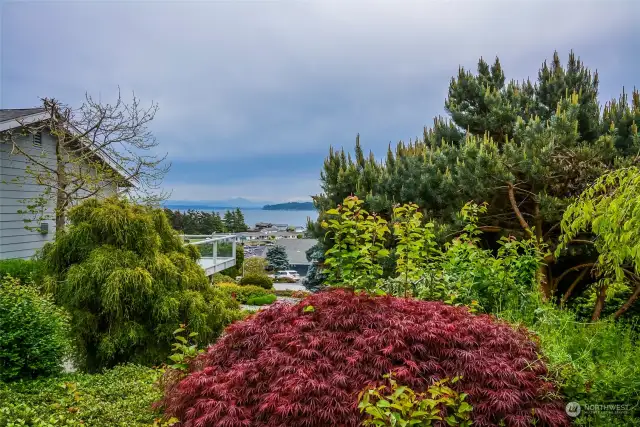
(33, 332)
(263, 300)
(261, 280)
(127, 280)
(221, 278)
(254, 265)
(121, 397)
(242, 293)
(595, 364)
(22, 269)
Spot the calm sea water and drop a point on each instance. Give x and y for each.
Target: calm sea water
(293, 218)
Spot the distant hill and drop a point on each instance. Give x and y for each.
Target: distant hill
(291, 206)
(237, 202)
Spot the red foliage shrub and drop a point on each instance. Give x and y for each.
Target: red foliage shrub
(287, 366)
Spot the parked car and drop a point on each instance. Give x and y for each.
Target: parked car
(287, 274)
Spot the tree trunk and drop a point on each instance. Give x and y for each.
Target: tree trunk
(61, 196)
(543, 278)
(629, 302)
(543, 270)
(597, 310)
(566, 295)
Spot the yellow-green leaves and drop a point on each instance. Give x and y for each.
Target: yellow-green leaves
(394, 405)
(359, 243)
(415, 243)
(610, 210)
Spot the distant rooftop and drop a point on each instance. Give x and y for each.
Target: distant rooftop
(10, 114)
(296, 249)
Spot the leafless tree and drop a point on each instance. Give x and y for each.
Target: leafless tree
(100, 149)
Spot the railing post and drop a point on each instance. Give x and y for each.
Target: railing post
(215, 253)
(233, 250)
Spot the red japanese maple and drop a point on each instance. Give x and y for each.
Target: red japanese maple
(287, 366)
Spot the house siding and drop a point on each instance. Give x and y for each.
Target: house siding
(15, 240)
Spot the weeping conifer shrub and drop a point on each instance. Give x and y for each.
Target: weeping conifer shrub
(127, 280)
(305, 364)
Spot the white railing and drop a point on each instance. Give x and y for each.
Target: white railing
(214, 263)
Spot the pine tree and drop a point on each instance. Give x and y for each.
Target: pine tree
(526, 149)
(229, 223)
(277, 258)
(238, 221)
(314, 279)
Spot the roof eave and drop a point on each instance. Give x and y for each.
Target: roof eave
(38, 117)
(21, 121)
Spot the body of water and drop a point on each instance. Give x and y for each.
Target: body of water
(293, 218)
(253, 216)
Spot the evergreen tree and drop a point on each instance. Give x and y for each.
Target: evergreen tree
(229, 221)
(277, 258)
(314, 279)
(238, 221)
(526, 149)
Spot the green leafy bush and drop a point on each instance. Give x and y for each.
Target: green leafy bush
(22, 269)
(127, 280)
(33, 332)
(263, 300)
(254, 265)
(358, 244)
(395, 405)
(221, 278)
(261, 280)
(121, 397)
(242, 294)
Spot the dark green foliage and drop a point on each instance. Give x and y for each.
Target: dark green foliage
(263, 300)
(261, 280)
(203, 222)
(486, 102)
(315, 277)
(234, 221)
(195, 222)
(277, 258)
(242, 294)
(127, 281)
(527, 149)
(33, 332)
(22, 269)
(121, 397)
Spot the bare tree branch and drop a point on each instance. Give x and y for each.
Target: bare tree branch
(99, 148)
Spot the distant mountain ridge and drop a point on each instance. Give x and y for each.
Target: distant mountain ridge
(290, 206)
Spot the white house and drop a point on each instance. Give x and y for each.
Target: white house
(16, 186)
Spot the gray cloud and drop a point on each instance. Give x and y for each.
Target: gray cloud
(251, 78)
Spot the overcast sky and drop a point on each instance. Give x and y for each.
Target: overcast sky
(253, 93)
